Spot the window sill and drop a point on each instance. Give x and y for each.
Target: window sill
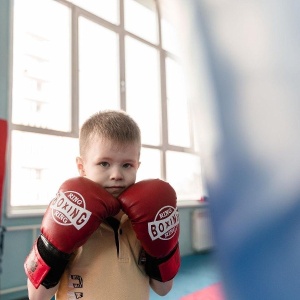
(191, 203)
(38, 211)
(25, 212)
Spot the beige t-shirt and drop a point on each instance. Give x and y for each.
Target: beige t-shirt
(99, 272)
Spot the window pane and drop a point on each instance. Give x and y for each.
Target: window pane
(41, 65)
(99, 83)
(141, 19)
(142, 89)
(178, 112)
(170, 27)
(106, 9)
(170, 41)
(150, 164)
(184, 174)
(40, 163)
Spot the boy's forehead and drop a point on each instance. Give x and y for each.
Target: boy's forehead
(115, 144)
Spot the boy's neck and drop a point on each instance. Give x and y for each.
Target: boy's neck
(119, 215)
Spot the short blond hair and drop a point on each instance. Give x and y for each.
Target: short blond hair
(113, 125)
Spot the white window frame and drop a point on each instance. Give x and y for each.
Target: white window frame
(13, 211)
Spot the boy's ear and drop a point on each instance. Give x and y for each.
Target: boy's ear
(80, 167)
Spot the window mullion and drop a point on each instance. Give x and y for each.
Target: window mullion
(74, 73)
(164, 108)
(122, 58)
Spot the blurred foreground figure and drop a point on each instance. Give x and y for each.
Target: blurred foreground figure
(243, 65)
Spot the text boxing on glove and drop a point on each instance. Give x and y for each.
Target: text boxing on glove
(151, 207)
(72, 216)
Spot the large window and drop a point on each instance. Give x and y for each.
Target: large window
(73, 58)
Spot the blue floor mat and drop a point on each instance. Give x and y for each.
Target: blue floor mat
(196, 272)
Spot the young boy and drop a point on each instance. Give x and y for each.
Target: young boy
(89, 248)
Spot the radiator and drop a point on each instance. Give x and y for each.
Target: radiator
(202, 239)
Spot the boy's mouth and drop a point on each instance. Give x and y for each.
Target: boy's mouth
(115, 190)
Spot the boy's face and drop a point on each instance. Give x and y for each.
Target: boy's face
(112, 166)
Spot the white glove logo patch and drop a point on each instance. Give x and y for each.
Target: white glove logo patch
(165, 224)
(68, 208)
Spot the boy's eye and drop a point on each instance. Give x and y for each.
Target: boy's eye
(126, 166)
(104, 164)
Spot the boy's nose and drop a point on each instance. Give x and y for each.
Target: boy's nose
(116, 174)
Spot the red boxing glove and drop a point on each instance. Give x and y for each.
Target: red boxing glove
(72, 216)
(151, 207)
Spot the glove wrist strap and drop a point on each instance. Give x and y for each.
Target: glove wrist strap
(163, 269)
(45, 264)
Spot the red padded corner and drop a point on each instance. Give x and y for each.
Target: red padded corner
(3, 141)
